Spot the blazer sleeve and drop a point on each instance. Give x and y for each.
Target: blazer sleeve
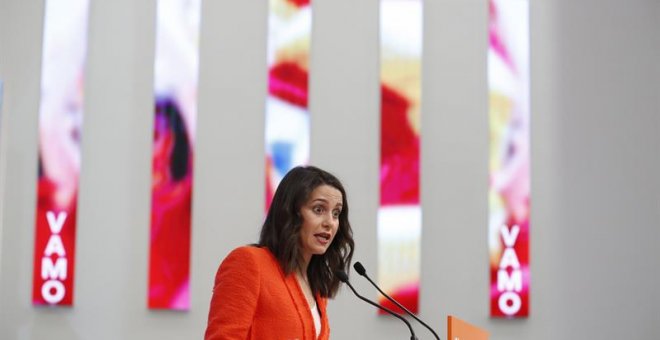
(235, 296)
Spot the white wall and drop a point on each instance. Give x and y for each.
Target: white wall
(595, 165)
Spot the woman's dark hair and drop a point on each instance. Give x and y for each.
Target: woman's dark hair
(281, 230)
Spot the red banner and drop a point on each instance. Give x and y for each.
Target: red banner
(175, 112)
(400, 211)
(60, 121)
(287, 115)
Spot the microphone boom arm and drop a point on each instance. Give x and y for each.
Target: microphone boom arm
(412, 332)
(360, 270)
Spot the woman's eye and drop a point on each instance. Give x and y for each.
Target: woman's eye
(336, 213)
(318, 209)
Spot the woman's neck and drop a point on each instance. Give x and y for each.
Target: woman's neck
(302, 270)
(304, 264)
(306, 288)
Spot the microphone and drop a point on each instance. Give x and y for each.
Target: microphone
(359, 268)
(344, 278)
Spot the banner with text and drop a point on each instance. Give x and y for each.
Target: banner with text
(64, 54)
(509, 172)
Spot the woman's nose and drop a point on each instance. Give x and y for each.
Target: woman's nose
(327, 220)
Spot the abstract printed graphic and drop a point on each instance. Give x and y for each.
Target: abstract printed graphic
(509, 179)
(60, 121)
(287, 116)
(175, 89)
(400, 213)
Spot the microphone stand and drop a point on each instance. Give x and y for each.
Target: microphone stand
(363, 272)
(344, 278)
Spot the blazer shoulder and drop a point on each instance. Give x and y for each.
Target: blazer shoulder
(250, 255)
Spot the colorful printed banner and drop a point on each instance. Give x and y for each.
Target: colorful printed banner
(509, 182)
(287, 116)
(175, 89)
(400, 213)
(60, 121)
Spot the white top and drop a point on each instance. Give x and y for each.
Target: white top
(317, 320)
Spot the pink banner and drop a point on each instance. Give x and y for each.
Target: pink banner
(60, 120)
(175, 89)
(509, 180)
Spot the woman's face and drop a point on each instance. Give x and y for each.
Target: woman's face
(320, 215)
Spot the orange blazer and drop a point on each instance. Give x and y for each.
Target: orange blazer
(253, 299)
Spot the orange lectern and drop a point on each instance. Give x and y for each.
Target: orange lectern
(458, 329)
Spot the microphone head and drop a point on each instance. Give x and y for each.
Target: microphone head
(342, 276)
(359, 268)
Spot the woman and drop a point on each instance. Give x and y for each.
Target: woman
(278, 288)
